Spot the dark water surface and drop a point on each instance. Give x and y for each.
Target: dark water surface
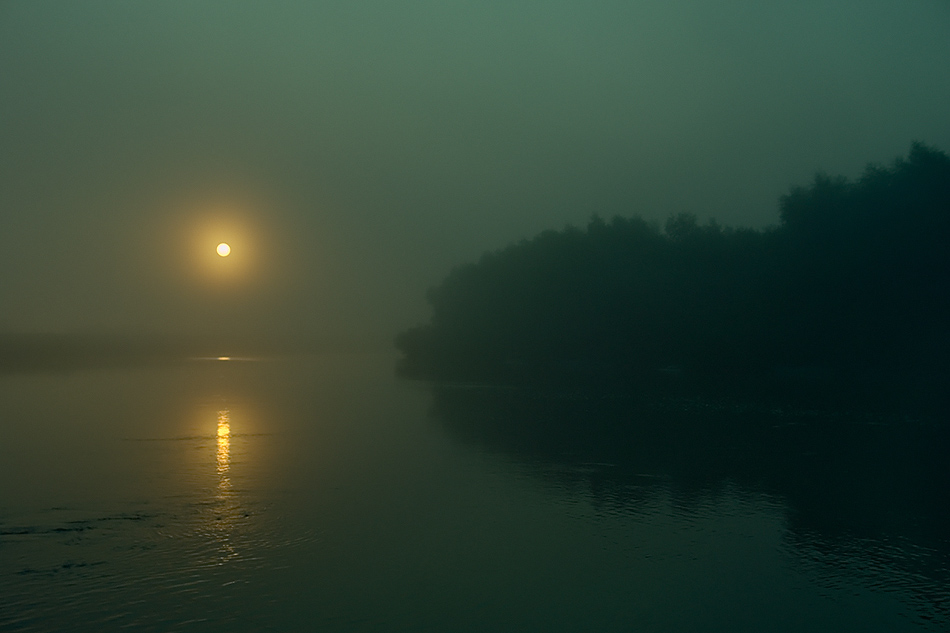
(325, 494)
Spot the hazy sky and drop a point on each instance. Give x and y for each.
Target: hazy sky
(352, 152)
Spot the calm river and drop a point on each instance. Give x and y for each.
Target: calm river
(325, 494)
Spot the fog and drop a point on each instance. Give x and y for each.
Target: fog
(353, 152)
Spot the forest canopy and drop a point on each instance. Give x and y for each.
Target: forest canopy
(853, 281)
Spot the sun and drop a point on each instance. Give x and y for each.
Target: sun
(223, 249)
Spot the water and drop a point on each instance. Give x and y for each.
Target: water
(326, 494)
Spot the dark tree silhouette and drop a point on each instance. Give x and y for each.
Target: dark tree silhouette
(853, 283)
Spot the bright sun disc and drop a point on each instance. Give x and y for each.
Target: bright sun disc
(223, 249)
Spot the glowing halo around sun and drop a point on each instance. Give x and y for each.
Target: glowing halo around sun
(225, 245)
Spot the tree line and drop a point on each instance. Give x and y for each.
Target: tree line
(853, 281)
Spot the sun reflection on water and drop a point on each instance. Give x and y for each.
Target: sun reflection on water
(224, 445)
(223, 523)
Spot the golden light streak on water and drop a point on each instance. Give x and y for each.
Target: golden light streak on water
(224, 447)
(223, 523)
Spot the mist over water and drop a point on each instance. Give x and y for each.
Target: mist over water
(666, 377)
(323, 492)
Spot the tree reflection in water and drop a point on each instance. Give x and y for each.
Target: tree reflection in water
(865, 498)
